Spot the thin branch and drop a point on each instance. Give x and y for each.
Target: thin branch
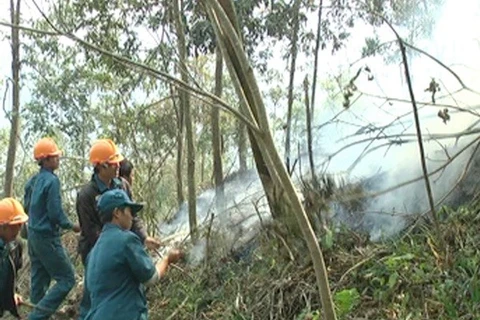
(408, 182)
(464, 86)
(400, 140)
(141, 67)
(437, 105)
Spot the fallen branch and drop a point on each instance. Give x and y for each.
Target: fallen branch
(359, 264)
(174, 313)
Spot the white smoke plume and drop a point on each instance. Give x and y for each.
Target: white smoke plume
(455, 42)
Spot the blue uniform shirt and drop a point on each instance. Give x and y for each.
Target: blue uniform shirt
(117, 266)
(102, 187)
(43, 203)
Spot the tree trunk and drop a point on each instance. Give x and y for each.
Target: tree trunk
(185, 105)
(202, 167)
(274, 201)
(180, 138)
(15, 116)
(252, 104)
(308, 112)
(315, 64)
(216, 138)
(293, 64)
(242, 145)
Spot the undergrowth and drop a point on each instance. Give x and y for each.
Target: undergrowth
(405, 278)
(273, 278)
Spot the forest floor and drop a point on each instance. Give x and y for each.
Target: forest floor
(409, 277)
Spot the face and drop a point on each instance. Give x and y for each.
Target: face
(9, 232)
(124, 218)
(52, 162)
(110, 170)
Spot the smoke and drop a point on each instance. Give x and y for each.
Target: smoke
(454, 42)
(197, 253)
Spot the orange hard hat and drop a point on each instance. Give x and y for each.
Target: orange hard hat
(44, 148)
(104, 151)
(11, 212)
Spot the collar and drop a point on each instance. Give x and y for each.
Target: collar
(42, 169)
(102, 187)
(110, 226)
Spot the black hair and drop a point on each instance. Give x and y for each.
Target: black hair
(41, 161)
(126, 168)
(108, 217)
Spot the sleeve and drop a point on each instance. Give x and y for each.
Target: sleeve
(139, 261)
(54, 206)
(88, 217)
(27, 195)
(17, 254)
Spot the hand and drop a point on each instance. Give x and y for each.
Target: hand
(174, 255)
(18, 299)
(76, 228)
(152, 243)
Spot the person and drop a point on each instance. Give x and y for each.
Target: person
(105, 157)
(119, 266)
(126, 173)
(48, 257)
(12, 217)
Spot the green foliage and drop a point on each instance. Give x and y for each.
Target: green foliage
(399, 279)
(346, 300)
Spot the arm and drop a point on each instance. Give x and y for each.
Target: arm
(54, 206)
(90, 223)
(139, 261)
(162, 266)
(28, 194)
(16, 254)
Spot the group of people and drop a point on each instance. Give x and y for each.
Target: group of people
(112, 244)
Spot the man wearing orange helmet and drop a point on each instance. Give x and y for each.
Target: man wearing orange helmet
(49, 260)
(106, 158)
(12, 217)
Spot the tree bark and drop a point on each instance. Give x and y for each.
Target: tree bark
(15, 115)
(216, 136)
(179, 163)
(308, 111)
(185, 105)
(315, 64)
(293, 64)
(242, 145)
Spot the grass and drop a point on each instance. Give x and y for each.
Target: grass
(404, 278)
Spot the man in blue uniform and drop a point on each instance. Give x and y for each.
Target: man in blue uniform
(118, 266)
(48, 258)
(106, 158)
(12, 217)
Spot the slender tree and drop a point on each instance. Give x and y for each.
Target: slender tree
(185, 106)
(15, 115)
